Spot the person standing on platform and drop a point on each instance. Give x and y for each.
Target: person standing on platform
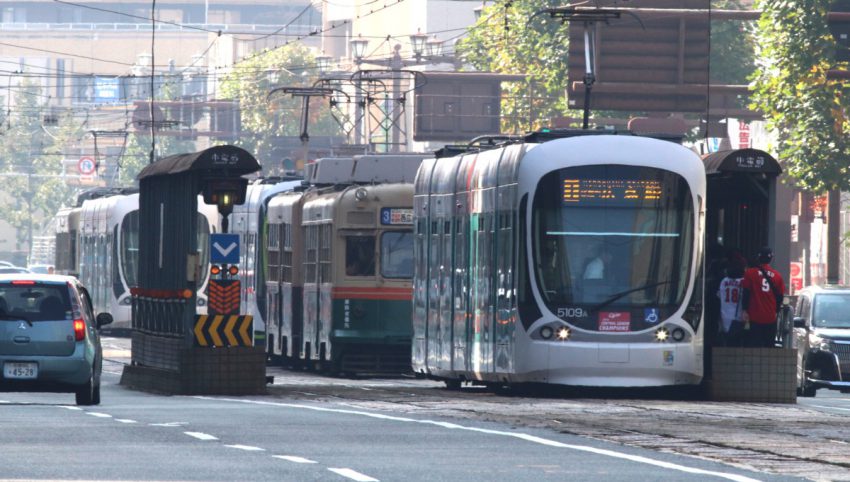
(763, 293)
(731, 326)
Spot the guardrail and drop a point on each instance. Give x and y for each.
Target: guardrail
(160, 312)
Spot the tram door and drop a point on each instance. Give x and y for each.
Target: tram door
(740, 217)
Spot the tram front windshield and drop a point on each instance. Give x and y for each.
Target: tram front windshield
(612, 244)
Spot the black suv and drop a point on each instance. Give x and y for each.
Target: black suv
(822, 337)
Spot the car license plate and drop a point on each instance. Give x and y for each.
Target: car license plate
(20, 370)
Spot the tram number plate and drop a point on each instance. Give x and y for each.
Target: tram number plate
(392, 216)
(25, 370)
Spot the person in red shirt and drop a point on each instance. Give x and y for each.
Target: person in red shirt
(763, 293)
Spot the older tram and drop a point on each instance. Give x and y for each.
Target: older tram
(570, 261)
(341, 266)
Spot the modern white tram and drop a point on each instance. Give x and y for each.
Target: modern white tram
(572, 261)
(105, 250)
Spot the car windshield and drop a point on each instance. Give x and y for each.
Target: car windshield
(831, 310)
(35, 302)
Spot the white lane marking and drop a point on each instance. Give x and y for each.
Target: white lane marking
(353, 475)
(5, 401)
(295, 458)
(70, 407)
(125, 420)
(100, 415)
(168, 424)
(830, 408)
(522, 436)
(248, 448)
(201, 436)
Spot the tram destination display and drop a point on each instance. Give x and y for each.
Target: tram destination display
(595, 191)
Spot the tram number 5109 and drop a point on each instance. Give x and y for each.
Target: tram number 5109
(571, 312)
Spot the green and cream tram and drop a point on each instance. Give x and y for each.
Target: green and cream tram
(571, 261)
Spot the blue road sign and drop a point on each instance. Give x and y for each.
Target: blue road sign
(224, 248)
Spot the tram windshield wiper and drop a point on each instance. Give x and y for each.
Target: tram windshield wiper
(621, 294)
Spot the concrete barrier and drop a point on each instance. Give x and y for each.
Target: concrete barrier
(767, 375)
(164, 365)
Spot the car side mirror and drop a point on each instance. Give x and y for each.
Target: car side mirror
(103, 319)
(799, 322)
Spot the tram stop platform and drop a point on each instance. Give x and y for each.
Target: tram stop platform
(166, 365)
(763, 375)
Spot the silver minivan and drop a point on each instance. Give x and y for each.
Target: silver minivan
(49, 337)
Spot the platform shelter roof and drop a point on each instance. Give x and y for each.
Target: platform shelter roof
(228, 160)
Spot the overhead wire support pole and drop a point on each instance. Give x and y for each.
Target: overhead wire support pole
(588, 16)
(305, 93)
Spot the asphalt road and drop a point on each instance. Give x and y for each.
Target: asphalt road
(312, 427)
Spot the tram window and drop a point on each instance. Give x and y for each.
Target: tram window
(360, 256)
(397, 254)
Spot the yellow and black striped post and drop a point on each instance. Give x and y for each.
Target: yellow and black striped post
(223, 330)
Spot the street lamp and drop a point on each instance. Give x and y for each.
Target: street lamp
(358, 48)
(434, 47)
(418, 41)
(323, 62)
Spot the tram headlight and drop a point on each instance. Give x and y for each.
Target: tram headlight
(662, 334)
(678, 334)
(546, 332)
(564, 333)
(360, 194)
(202, 302)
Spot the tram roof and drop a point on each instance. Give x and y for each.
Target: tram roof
(218, 160)
(741, 160)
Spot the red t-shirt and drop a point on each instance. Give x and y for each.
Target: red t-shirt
(762, 307)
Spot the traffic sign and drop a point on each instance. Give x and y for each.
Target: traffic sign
(224, 248)
(221, 330)
(86, 166)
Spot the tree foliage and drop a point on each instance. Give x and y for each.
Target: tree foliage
(266, 119)
(807, 112)
(29, 168)
(510, 39)
(732, 47)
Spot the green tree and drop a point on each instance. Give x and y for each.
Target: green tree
(732, 47)
(52, 190)
(807, 112)
(509, 38)
(22, 149)
(506, 39)
(264, 120)
(136, 153)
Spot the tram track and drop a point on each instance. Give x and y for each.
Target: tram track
(778, 439)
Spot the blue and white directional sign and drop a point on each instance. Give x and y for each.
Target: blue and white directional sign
(224, 248)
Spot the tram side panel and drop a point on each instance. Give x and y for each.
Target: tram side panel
(441, 244)
(421, 277)
(285, 297)
(462, 321)
(505, 259)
